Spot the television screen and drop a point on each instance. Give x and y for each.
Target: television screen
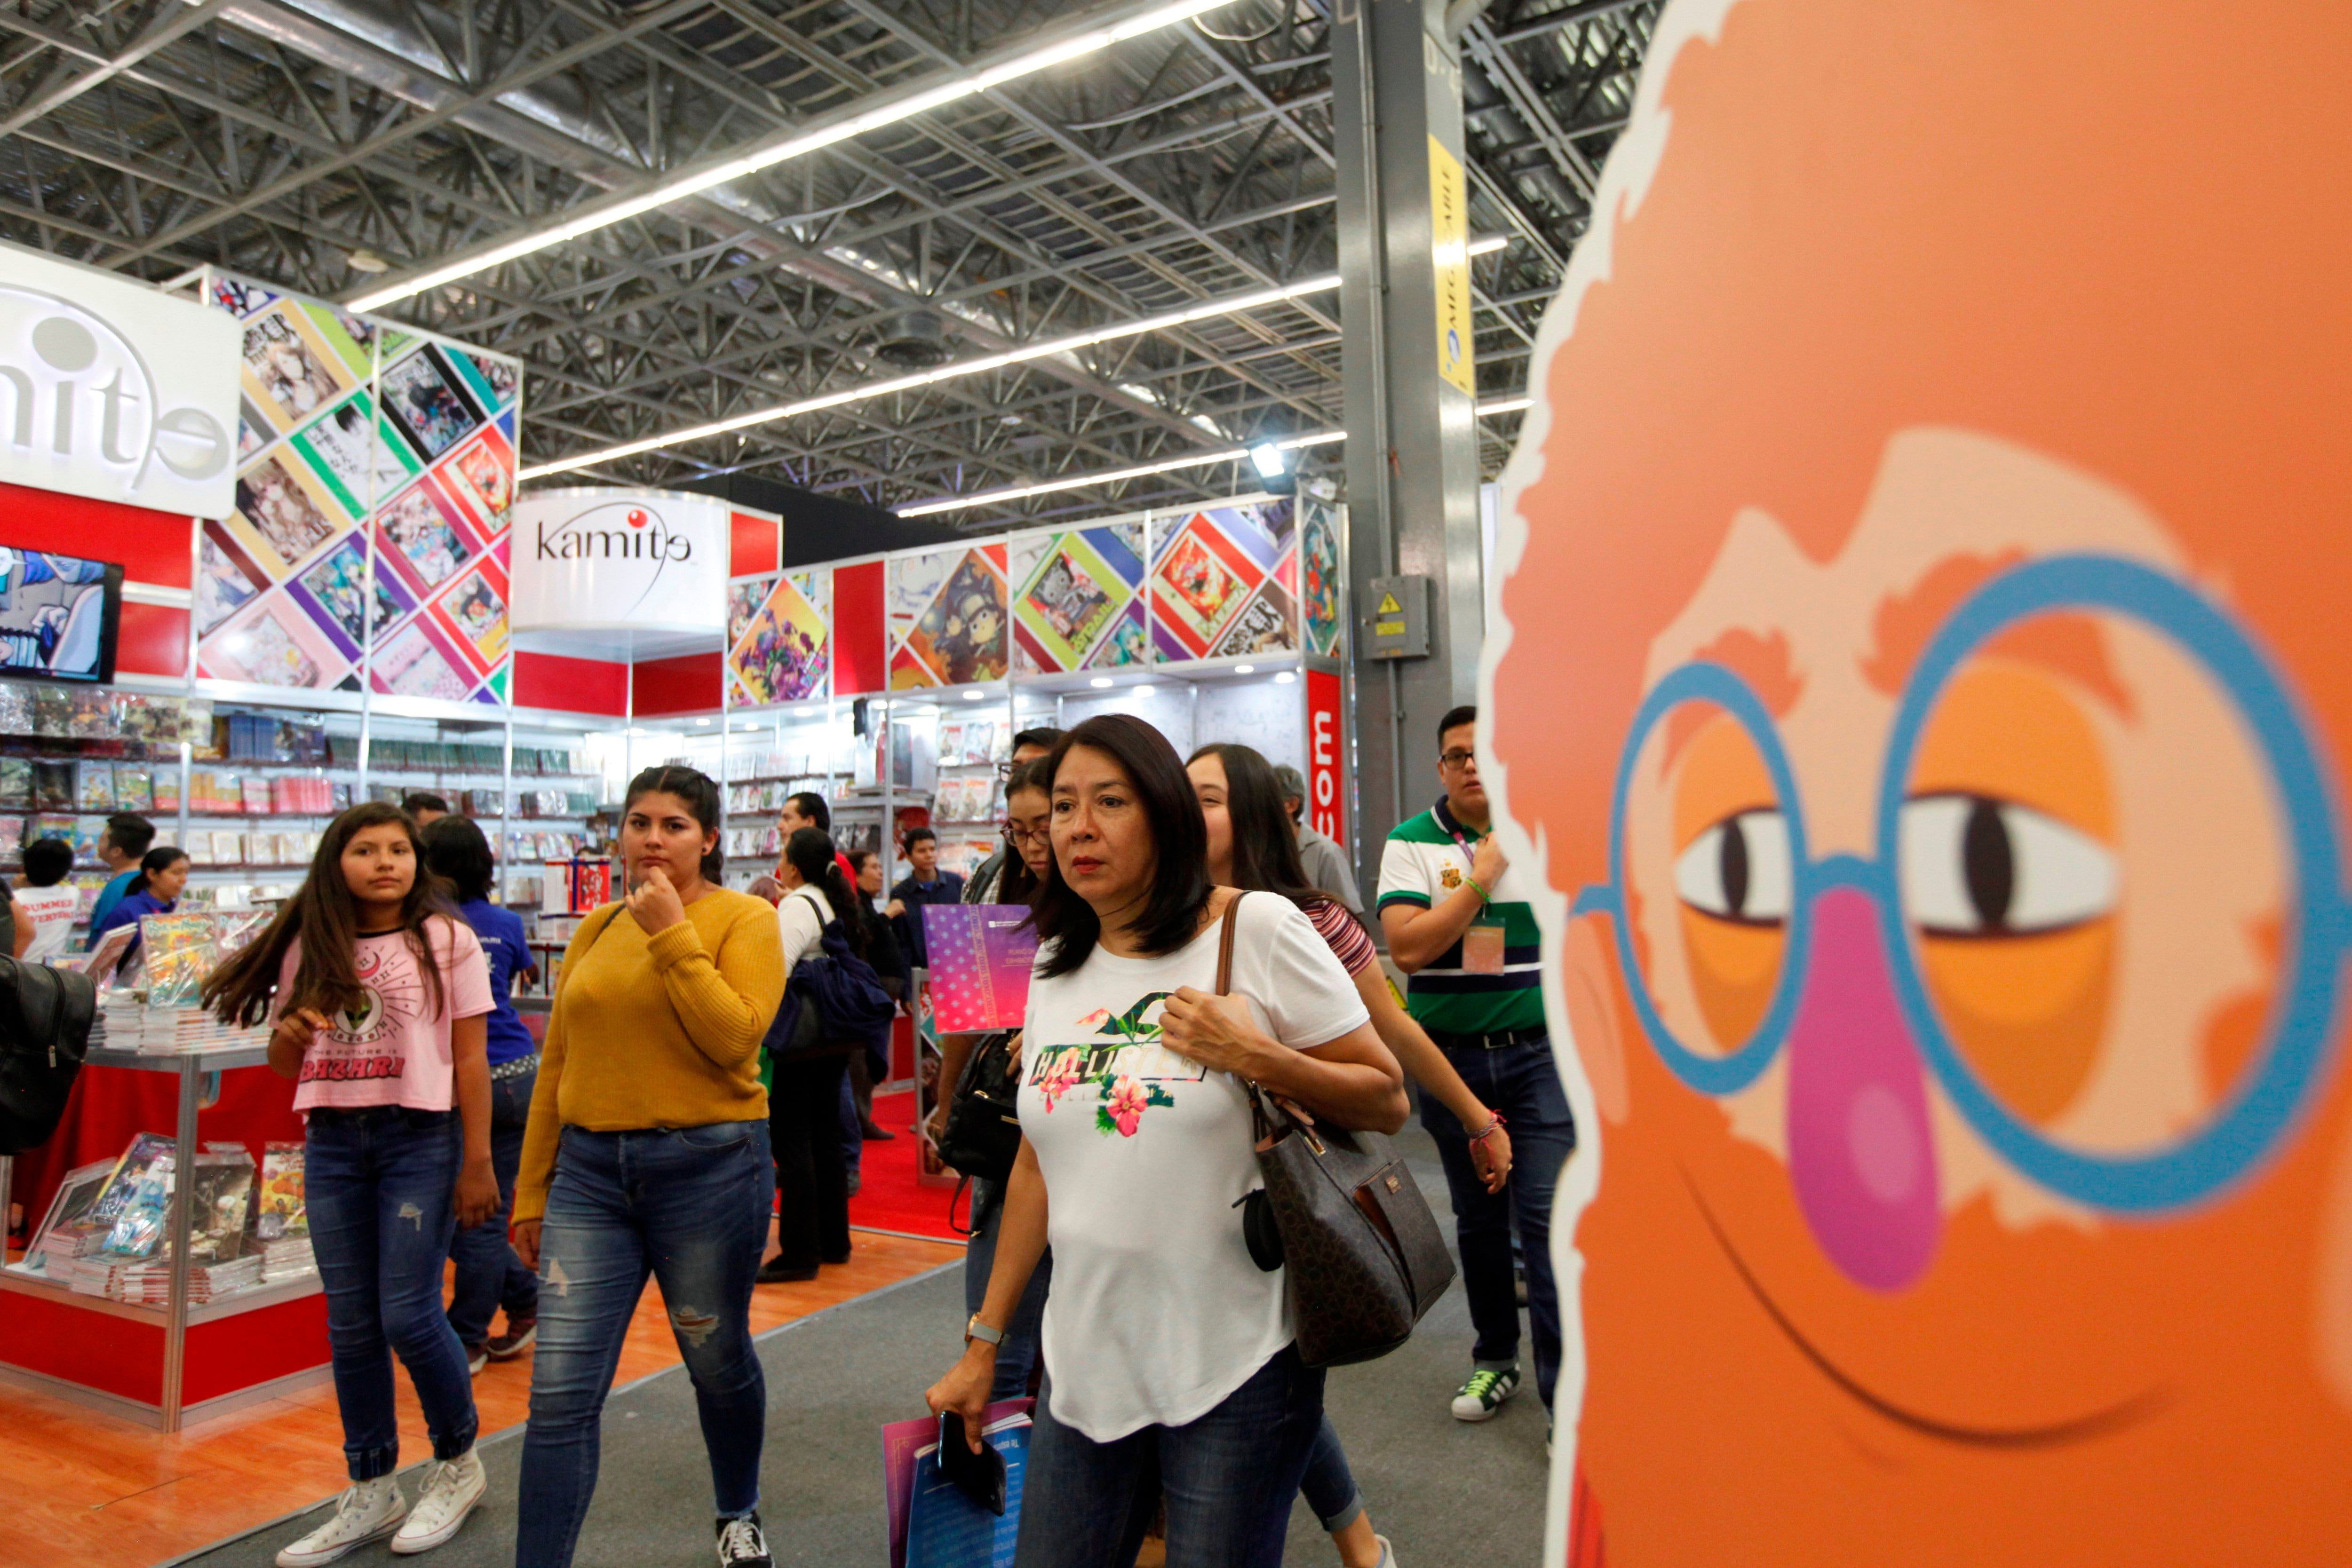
(59, 616)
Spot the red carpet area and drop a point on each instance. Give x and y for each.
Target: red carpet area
(892, 1197)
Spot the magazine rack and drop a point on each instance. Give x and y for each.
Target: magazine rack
(166, 1365)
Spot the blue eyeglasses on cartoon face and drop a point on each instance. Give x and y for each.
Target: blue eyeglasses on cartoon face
(2281, 1078)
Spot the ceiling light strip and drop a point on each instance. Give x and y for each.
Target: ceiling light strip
(1233, 305)
(800, 144)
(1144, 470)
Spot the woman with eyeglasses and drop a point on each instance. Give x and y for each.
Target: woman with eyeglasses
(1169, 1355)
(1012, 877)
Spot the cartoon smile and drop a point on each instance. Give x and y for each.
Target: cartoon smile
(2112, 1418)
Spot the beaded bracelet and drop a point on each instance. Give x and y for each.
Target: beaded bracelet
(1490, 1129)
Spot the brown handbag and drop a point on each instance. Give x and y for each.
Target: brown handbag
(1364, 1254)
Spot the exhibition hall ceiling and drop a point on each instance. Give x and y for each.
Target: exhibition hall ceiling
(348, 148)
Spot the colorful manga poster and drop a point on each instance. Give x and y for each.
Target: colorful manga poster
(958, 635)
(782, 651)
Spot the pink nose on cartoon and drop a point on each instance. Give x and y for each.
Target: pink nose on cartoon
(1859, 1149)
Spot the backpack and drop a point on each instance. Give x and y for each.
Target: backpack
(44, 1018)
(833, 998)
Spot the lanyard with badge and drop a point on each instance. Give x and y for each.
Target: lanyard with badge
(1481, 939)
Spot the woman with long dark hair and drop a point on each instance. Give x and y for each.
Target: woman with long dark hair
(163, 876)
(648, 1155)
(1168, 1352)
(377, 992)
(1251, 846)
(805, 1086)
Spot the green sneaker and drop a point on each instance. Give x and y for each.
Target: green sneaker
(1484, 1394)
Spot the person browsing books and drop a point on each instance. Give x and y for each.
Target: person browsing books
(490, 1275)
(154, 888)
(1167, 1349)
(376, 994)
(646, 1154)
(124, 842)
(45, 901)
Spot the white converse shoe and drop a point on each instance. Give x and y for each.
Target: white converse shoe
(369, 1511)
(452, 1488)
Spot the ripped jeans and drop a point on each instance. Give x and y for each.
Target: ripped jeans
(689, 1207)
(382, 1190)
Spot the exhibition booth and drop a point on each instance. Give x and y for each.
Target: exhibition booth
(314, 583)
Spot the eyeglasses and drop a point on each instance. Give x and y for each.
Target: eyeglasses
(1457, 759)
(1020, 835)
(2278, 1080)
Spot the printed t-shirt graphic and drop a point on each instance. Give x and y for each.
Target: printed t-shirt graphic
(392, 1048)
(1157, 1312)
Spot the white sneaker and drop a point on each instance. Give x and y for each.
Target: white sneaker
(369, 1511)
(452, 1488)
(1387, 1551)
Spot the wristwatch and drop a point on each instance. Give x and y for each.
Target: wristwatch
(976, 1330)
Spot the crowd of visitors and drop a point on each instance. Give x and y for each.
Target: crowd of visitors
(708, 1071)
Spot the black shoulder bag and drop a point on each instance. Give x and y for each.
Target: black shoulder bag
(44, 1018)
(1365, 1256)
(983, 1136)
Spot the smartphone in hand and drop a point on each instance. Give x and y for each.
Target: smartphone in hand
(980, 1476)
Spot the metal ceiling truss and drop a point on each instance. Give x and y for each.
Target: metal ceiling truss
(281, 138)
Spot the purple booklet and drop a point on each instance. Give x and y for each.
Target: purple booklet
(980, 958)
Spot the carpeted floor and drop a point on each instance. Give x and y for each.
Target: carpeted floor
(893, 1196)
(1449, 1495)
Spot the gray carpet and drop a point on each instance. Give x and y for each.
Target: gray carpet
(1446, 1493)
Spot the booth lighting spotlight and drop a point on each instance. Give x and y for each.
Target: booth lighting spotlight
(1271, 461)
(1144, 688)
(1286, 677)
(1102, 683)
(973, 695)
(703, 722)
(1245, 669)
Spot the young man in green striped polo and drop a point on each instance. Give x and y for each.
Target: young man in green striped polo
(1459, 924)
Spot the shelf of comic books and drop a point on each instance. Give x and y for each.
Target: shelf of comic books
(207, 1283)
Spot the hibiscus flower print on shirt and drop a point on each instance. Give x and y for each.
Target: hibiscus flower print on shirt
(1122, 1059)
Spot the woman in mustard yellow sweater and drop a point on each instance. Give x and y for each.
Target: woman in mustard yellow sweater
(647, 1153)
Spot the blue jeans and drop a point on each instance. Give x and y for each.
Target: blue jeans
(689, 1207)
(1330, 1486)
(381, 1188)
(1018, 1354)
(1523, 1083)
(1228, 1479)
(853, 1131)
(490, 1275)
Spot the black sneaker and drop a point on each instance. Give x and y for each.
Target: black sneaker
(520, 1332)
(740, 1544)
(776, 1271)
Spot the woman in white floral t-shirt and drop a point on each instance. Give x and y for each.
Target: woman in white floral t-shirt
(1167, 1349)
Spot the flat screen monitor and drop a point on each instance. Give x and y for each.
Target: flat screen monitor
(60, 616)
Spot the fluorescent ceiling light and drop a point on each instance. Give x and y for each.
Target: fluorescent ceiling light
(1488, 245)
(904, 105)
(1495, 405)
(1079, 482)
(1231, 305)
(1269, 461)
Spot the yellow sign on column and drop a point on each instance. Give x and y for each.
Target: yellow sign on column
(1449, 213)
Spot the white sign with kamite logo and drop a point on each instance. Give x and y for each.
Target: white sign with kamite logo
(642, 570)
(113, 390)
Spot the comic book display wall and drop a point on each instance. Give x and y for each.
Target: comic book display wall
(779, 637)
(946, 617)
(357, 438)
(1077, 598)
(1225, 582)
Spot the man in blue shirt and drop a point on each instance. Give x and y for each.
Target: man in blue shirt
(927, 884)
(124, 843)
(489, 1274)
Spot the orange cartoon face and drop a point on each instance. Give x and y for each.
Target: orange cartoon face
(1945, 824)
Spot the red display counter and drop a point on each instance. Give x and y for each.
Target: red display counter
(177, 1362)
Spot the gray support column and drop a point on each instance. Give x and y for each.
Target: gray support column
(1412, 439)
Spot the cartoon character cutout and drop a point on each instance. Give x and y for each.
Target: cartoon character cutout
(1943, 827)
